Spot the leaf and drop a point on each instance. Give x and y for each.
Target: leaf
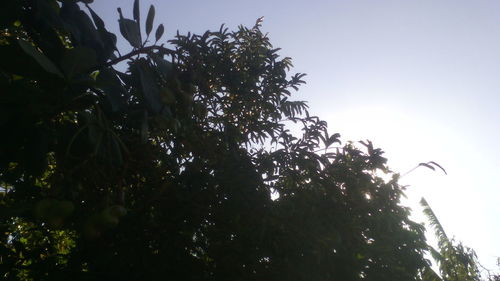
(81, 26)
(436, 164)
(42, 60)
(108, 39)
(115, 93)
(47, 11)
(99, 23)
(150, 19)
(159, 32)
(16, 61)
(137, 15)
(130, 30)
(68, 15)
(334, 139)
(78, 60)
(149, 86)
(427, 165)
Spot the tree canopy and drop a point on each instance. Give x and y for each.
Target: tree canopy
(180, 165)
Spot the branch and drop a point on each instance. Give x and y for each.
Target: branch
(427, 165)
(144, 50)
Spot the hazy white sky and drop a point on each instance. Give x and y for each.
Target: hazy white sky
(418, 78)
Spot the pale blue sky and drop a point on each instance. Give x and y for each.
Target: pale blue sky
(418, 78)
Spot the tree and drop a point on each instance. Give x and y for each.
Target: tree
(456, 262)
(183, 166)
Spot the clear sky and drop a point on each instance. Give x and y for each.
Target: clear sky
(421, 79)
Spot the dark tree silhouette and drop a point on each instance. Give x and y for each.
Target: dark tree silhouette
(182, 167)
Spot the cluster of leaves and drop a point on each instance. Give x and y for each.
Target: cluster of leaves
(182, 167)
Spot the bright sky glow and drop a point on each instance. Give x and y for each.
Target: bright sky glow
(418, 78)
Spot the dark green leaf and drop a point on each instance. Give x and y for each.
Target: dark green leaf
(137, 14)
(78, 60)
(99, 23)
(150, 19)
(159, 32)
(149, 85)
(17, 61)
(130, 31)
(47, 64)
(108, 39)
(82, 27)
(114, 91)
(69, 12)
(48, 11)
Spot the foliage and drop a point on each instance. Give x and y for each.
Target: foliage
(182, 167)
(456, 262)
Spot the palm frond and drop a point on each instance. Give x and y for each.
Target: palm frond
(456, 262)
(443, 240)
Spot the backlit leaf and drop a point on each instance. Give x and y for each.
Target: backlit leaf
(159, 32)
(130, 30)
(137, 15)
(150, 19)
